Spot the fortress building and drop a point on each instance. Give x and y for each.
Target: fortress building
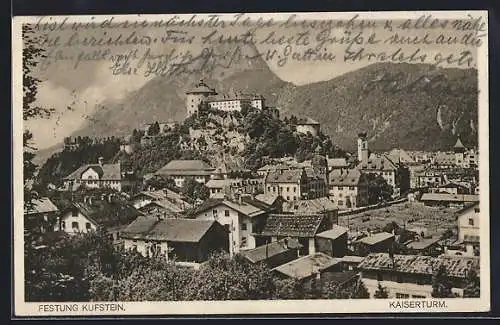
(202, 93)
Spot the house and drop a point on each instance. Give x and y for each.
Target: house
(179, 170)
(400, 156)
(308, 125)
(242, 216)
(410, 276)
(347, 188)
(374, 243)
(264, 170)
(90, 215)
(304, 228)
(446, 199)
(228, 186)
(42, 215)
(321, 205)
(164, 200)
(274, 201)
(468, 225)
(182, 240)
(295, 184)
(275, 253)
(332, 242)
(430, 177)
(95, 176)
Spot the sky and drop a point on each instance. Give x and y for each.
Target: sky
(85, 87)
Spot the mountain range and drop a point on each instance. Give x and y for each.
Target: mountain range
(410, 106)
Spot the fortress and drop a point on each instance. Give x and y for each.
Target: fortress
(202, 93)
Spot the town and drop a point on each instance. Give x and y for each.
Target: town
(241, 189)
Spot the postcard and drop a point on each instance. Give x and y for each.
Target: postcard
(244, 163)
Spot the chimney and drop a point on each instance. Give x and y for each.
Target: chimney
(100, 160)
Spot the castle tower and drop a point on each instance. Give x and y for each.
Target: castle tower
(362, 148)
(459, 150)
(196, 96)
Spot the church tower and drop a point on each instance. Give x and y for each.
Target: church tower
(362, 148)
(459, 150)
(195, 97)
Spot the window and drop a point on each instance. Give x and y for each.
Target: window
(63, 225)
(74, 213)
(74, 225)
(294, 189)
(341, 188)
(243, 241)
(88, 226)
(471, 222)
(341, 202)
(418, 296)
(340, 194)
(214, 212)
(243, 226)
(287, 198)
(402, 295)
(288, 189)
(226, 213)
(351, 188)
(476, 210)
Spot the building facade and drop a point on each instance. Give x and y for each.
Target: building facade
(98, 175)
(295, 184)
(347, 189)
(180, 170)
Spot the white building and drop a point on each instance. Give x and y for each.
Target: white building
(468, 224)
(95, 176)
(308, 125)
(180, 170)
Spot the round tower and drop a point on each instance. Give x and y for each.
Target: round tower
(196, 96)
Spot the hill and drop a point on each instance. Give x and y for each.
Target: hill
(416, 107)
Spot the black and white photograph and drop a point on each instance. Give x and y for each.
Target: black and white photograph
(251, 163)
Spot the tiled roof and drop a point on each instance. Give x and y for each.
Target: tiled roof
(247, 206)
(272, 167)
(42, 205)
(333, 233)
(344, 177)
(337, 162)
(456, 266)
(185, 167)
(400, 155)
(338, 278)
(105, 172)
(107, 214)
(306, 266)
(263, 252)
(285, 176)
(292, 225)
(179, 230)
(375, 238)
(268, 199)
(139, 227)
(318, 205)
(377, 162)
(447, 197)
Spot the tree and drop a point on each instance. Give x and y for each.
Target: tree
(195, 190)
(378, 189)
(472, 287)
(154, 129)
(381, 292)
(441, 284)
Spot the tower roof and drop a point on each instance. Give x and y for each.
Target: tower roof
(459, 144)
(202, 88)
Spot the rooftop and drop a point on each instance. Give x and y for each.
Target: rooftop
(293, 225)
(306, 266)
(333, 233)
(42, 205)
(307, 121)
(337, 162)
(375, 238)
(285, 176)
(106, 214)
(105, 171)
(202, 88)
(185, 167)
(175, 230)
(447, 197)
(456, 266)
(378, 162)
(263, 252)
(247, 207)
(344, 177)
(422, 243)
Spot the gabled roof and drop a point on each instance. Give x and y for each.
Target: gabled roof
(285, 176)
(105, 214)
(378, 162)
(268, 198)
(292, 225)
(422, 243)
(263, 252)
(313, 206)
(344, 177)
(41, 205)
(375, 238)
(306, 266)
(456, 266)
(201, 88)
(247, 207)
(400, 155)
(337, 162)
(333, 233)
(173, 230)
(185, 167)
(105, 172)
(307, 121)
(273, 167)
